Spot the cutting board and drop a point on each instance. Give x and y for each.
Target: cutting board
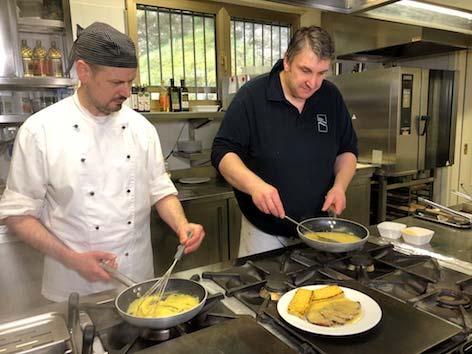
(239, 336)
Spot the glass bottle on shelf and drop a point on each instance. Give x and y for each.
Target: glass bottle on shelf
(140, 99)
(174, 95)
(184, 103)
(146, 99)
(27, 59)
(39, 59)
(55, 61)
(134, 97)
(164, 98)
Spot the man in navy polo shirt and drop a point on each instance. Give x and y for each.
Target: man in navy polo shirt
(287, 144)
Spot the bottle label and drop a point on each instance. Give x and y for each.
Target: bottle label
(134, 101)
(185, 102)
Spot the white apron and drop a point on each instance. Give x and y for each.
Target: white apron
(253, 240)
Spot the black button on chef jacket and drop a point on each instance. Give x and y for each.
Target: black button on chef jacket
(295, 152)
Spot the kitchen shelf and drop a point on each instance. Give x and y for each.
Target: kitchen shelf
(29, 24)
(37, 82)
(13, 118)
(171, 116)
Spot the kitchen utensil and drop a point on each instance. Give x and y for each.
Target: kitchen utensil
(135, 290)
(324, 224)
(462, 195)
(371, 314)
(318, 234)
(194, 180)
(446, 209)
(160, 286)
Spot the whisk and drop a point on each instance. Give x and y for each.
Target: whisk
(160, 285)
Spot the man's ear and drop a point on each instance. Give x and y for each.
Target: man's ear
(286, 63)
(84, 71)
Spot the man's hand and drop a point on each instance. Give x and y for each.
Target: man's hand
(87, 264)
(191, 236)
(335, 199)
(267, 199)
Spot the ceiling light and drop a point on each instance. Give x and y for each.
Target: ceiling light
(435, 8)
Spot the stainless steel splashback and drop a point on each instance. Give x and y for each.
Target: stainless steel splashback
(8, 39)
(396, 124)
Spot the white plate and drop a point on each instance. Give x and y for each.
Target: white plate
(194, 180)
(370, 316)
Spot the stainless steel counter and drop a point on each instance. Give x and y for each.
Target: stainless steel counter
(215, 188)
(451, 245)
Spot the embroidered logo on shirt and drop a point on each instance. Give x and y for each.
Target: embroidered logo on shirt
(322, 123)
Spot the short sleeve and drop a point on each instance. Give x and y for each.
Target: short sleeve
(234, 132)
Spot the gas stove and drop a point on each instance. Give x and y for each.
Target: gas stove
(426, 308)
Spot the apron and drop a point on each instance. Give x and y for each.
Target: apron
(253, 240)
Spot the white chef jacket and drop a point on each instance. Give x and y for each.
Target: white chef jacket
(92, 182)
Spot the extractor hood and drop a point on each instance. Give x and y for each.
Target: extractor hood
(365, 39)
(341, 6)
(386, 30)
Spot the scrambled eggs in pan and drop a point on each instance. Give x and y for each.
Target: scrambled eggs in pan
(171, 305)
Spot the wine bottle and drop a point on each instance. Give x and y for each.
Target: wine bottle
(184, 103)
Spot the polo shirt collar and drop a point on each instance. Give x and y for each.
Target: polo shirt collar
(274, 89)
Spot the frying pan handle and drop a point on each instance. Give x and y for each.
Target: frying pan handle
(118, 275)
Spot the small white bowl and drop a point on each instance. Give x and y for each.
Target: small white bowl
(390, 229)
(417, 235)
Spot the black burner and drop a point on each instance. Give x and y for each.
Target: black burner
(452, 299)
(158, 335)
(361, 261)
(277, 282)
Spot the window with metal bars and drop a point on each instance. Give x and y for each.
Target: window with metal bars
(177, 44)
(256, 46)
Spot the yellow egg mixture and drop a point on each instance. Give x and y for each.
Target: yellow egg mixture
(342, 237)
(173, 304)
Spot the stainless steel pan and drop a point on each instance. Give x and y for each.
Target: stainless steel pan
(136, 290)
(327, 224)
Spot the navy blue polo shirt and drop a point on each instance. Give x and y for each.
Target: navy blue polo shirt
(295, 152)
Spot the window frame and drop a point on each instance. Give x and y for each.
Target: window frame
(223, 13)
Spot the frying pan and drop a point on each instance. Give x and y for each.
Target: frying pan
(327, 224)
(135, 290)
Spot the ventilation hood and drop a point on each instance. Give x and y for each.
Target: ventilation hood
(365, 39)
(341, 6)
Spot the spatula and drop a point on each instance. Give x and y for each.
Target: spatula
(318, 234)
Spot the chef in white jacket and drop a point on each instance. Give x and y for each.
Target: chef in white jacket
(85, 173)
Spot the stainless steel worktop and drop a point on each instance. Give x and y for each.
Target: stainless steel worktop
(451, 245)
(214, 188)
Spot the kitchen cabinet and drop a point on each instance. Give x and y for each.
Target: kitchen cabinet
(221, 220)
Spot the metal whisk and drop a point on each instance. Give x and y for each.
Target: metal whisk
(160, 285)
